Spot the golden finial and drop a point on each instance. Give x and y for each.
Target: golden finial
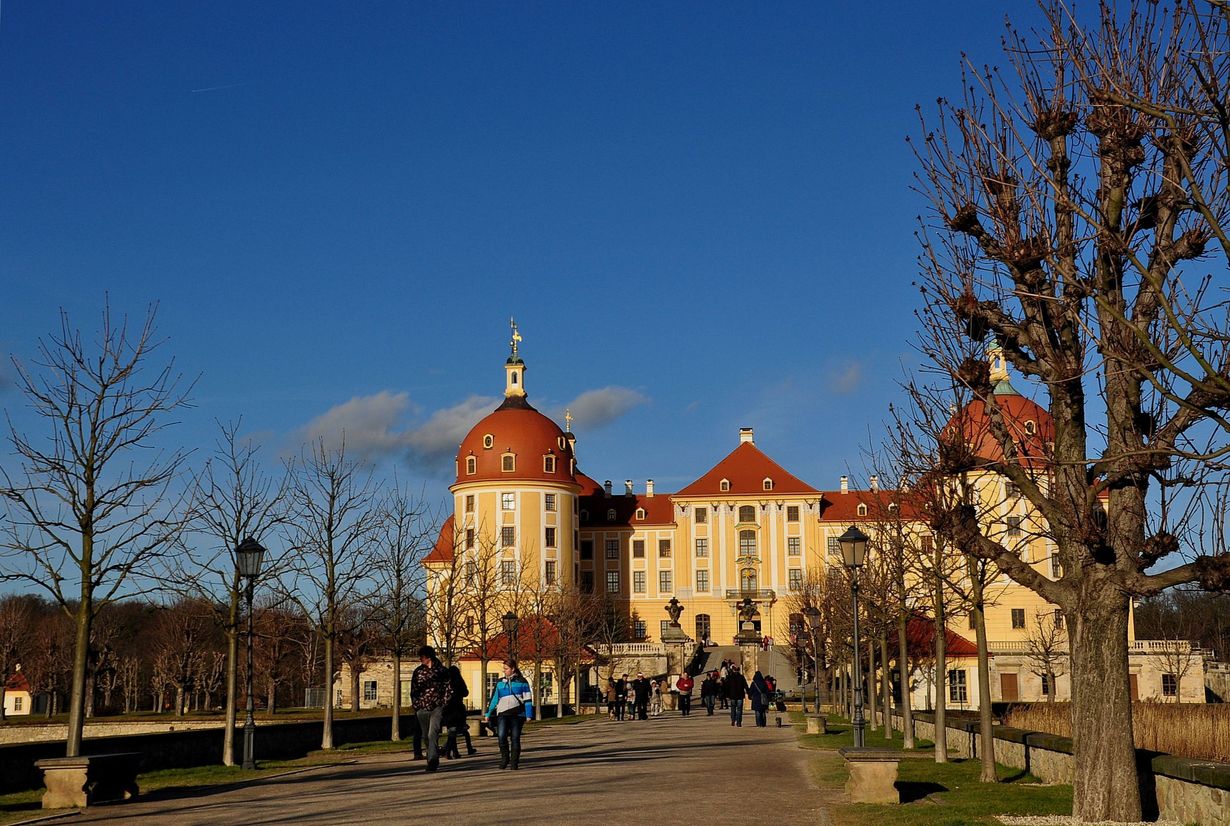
(516, 336)
(567, 420)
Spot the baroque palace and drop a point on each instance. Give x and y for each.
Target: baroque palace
(746, 528)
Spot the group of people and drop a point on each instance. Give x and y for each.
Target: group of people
(730, 688)
(637, 699)
(438, 694)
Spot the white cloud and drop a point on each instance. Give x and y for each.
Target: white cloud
(433, 444)
(846, 379)
(595, 408)
(367, 424)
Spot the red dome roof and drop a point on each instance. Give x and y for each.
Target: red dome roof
(1029, 424)
(517, 428)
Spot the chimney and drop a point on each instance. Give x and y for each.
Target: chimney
(648, 488)
(874, 481)
(845, 484)
(607, 487)
(627, 487)
(745, 436)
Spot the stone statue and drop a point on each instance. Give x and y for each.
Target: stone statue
(674, 610)
(747, 610)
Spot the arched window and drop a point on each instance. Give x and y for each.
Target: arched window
(703, 627)
(640, 513)
(508, 462)
(471, 465)
(862, 510)
(747, 543)
(562, 442)
(548, 464)
(747, 513)
(767, 484)
(1031, 427)
(610, 515)
(724, 485)
(748, 583)
(488, 440)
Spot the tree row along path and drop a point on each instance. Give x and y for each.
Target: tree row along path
(596, 771)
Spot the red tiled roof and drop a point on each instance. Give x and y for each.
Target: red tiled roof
(17, 682)
(515, 427)
(588, 486)
(920, 640)
(746, 467)
(836, 506)
(973, 425)
(535, 636)
(659, 510)
(443, 551)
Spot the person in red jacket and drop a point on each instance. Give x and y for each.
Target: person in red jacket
(684, 686)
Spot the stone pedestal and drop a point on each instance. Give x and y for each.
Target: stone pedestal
(816, 724)
(83, 781)
(750, 656)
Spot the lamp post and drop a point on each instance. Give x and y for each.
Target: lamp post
(510, 628)
(813, 620)
(853, 552)
(248, 557)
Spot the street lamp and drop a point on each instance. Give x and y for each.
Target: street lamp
(510, 628)
(248, 557)
(813, 620)
(853, 552)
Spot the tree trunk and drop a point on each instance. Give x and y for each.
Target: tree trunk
(885, 691)
(81, 650)
(1105, 780)
(941, 679)
(903, 672)
(482, 676)
(355, 677)
(986, 734)
(232, 676)
(326, 735)
(179, 701)
(271, 697)
(395, 728)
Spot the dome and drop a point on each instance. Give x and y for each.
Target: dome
(1029, 425)
(540, 451)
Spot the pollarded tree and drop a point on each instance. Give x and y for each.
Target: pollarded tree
(1074, 196)
(91, 511)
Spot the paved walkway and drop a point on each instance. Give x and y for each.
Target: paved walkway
(594, 772)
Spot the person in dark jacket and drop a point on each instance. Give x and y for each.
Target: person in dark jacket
(621, 697)
(455, 715)
(430, 692)
(758, 692)
(640, 690)
(709, 690)
(736, 691)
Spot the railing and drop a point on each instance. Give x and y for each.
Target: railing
(1134, 647)
(735, 593)
(625, 649)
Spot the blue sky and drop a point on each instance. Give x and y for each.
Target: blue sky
(700, 213)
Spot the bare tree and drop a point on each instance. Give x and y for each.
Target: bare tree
(1047, 649)
(86, 516)
(16, 625)
(333, 508)
(404, 538)
(1073, 195)
(233, 499)
(448, 603)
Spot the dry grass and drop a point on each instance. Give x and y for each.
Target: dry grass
(1194, 730)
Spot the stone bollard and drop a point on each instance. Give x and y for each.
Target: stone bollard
(476, 727)
(816, 724)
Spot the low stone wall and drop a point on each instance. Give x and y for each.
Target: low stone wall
(59, 731)
(1172, 788)
(202, 747)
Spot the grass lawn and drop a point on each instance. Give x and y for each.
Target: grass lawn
(933, 794)
(17, 806)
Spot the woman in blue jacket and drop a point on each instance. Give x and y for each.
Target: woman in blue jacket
(512, 703)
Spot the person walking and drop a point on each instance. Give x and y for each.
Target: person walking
(684, 686)
(621, 697)
(430, 691)
(655, 698)
(736, 691)
(610, 701)
(455, 715)
(758, 693)
(512, 703)
(709, 691)
(640, 694)
(722, 675)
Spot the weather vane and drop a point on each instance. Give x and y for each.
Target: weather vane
(516, 336)
(567, 420)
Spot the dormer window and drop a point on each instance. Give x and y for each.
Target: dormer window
(610, 515)
(488, 441)
(767, 484)
(471, 465)
(862, 510)
(548, 464)
(562, 442)
(724, 485)
(640, 513)
(508, 462)
(1031, 427)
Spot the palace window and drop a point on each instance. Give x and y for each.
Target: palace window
(471, 572)
(767, 484)
(550, 537)
(638, 582)
(1031, 427)
(612, 549)
(747, 543)
(508, 573)
(1046, 685)
(587, 582)
(369, 691)
(664, 549)
(724, 485)
(548, 501)
(792, 513)
(640, 513)
(862, 509)
(1018, 617)
(1170, 685)
(548, 464)
(610, 515)
(550, 572)
(701, 515)
(638, 548)
(834, 547)
(508, 501)
(1058, 618)
(702, 627)
(469, 539)
(796, 579)
(471, 465)
(748, 581)
(1014, 525)
(664, 628)
(508, 536)
(702, 580)
(664, 582)
(1011, 490)
(612, 582)
(469, 503)
(958, 692)
(702, 548)
(587, 549)
(639, 629)
(794, 546)
(508, 463)
(747, 513)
